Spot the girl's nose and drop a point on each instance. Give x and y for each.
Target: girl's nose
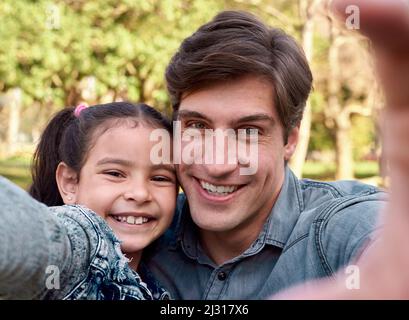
(138, 192)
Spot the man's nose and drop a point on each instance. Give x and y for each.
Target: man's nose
(221, 160)
(219, 170)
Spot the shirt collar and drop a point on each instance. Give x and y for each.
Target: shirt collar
(285, 212)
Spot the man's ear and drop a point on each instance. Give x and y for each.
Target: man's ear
(292, 141)
(67, 182)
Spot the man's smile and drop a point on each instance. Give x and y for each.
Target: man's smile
(217, 192)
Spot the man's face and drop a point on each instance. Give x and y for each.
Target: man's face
(245, 201)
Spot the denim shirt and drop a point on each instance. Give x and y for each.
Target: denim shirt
(313, 230)
(84, 255)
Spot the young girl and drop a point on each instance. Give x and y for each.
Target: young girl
(97, 159)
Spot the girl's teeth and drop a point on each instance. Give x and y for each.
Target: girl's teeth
(131, 219)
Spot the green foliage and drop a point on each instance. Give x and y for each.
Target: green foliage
(47, 48)
(322, 137)
(363, 136)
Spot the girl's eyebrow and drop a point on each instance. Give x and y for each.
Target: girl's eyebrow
(107, 160)
(127, 163)
(163, 166)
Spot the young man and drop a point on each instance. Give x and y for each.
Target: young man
(249, 236)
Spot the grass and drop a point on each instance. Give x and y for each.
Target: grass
(326, 171)
(17, 169)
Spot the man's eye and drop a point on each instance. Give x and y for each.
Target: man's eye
(251, 131)
(196, 125)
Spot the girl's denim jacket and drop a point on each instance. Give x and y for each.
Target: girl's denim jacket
(65, 252)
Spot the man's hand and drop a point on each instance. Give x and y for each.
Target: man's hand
(384, 267)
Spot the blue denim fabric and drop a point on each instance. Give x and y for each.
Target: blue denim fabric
(73, 240)
(314, 229)
(107, 277)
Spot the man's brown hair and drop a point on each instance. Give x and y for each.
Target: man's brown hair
(236, 44)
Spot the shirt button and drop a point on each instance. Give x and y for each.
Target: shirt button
(222, 276)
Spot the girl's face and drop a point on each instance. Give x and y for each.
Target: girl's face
(120, 183)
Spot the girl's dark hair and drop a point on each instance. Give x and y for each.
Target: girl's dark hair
(68, 138)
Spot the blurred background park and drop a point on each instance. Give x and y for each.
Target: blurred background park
(60, 53)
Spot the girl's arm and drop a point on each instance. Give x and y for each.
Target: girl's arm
(47, 252)
(31, 240)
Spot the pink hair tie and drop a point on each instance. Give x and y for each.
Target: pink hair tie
(79, 108)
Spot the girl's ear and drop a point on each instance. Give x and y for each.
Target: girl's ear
(67, 182)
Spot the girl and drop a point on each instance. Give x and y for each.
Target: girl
(99, 158)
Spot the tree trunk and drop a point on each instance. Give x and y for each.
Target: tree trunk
(339, 114)
(298, 158)
(344, 157)
(14, 97)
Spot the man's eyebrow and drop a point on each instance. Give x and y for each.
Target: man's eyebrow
(180, 114)
(108, 160)
(257, 117)
(250, 118)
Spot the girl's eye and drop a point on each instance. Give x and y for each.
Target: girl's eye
(115, 174)
(161, 179)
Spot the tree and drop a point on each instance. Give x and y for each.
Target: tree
(56, 51)
(308, 8)
(349, 92)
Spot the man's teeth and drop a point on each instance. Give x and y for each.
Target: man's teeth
(218, 190)
(131, 219)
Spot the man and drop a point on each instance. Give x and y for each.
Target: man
(249, 236)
